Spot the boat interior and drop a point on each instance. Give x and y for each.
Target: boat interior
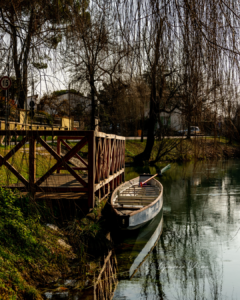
(134, 197)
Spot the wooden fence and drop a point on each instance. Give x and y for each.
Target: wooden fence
(104, 166)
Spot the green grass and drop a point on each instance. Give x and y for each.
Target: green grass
(200, 148)
(29, 251)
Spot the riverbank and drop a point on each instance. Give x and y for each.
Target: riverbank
(185, 150)
(36, 257)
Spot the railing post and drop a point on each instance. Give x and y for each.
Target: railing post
(58, 150)
(1, 137)
(32, 165)
(123, 160)
(91, 170)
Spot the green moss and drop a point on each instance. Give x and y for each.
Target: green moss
(28, 250)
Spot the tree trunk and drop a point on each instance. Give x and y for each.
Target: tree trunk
(23, 89)
(22, 78)
(154, 102)
(188, 131)
(142, 127)
(146, 154)
(16, 65)
(93, 104)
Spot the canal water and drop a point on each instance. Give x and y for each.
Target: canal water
(197, 256)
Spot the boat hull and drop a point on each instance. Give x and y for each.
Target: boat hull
(140, 217)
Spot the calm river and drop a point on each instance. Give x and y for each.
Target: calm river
(198, 254)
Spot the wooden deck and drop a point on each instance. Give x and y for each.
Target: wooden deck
(100, 174)
(56, 181)
(56, 184)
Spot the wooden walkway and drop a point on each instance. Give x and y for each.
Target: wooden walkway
(103, 169)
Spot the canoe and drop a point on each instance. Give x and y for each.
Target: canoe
(133, 205)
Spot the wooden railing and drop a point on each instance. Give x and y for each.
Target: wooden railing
(104, 167)
(20, 126)
(109, 155)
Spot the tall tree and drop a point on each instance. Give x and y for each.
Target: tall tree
(160, 31)
(28, 29)
(91, 50)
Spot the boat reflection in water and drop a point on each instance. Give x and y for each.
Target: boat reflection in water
(135, 250)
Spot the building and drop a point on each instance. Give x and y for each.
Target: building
(173, 120)
(74, 99)
(65, 103)
(33, 98)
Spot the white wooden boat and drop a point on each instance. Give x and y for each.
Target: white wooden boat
(134, 205)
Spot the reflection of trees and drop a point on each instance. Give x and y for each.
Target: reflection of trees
(189, 269)
(151, 271)
(160, 292)
(196, 219)
(153, 277)
(182, 238)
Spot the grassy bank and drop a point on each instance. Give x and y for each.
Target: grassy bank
(30, 253)
(33, 254)
(195, 148)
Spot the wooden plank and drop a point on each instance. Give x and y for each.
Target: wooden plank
(125, 207)
(117, 156)
(67, 196)
(32, 164)
(100, 160)
(91, 170)
(74, 168)
(58, 152)
(97, 146)
(107, 180)
(108, 156)
(100, 166)
(70, 133)
(121, 198)
(144, 203)
(112, 168)
(63, 180)
(109, 136)
(104, 162)
(72, 137)
(54, 189)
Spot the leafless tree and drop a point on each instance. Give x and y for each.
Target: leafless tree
(28, 29)
(92, 54)
(181, 38)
